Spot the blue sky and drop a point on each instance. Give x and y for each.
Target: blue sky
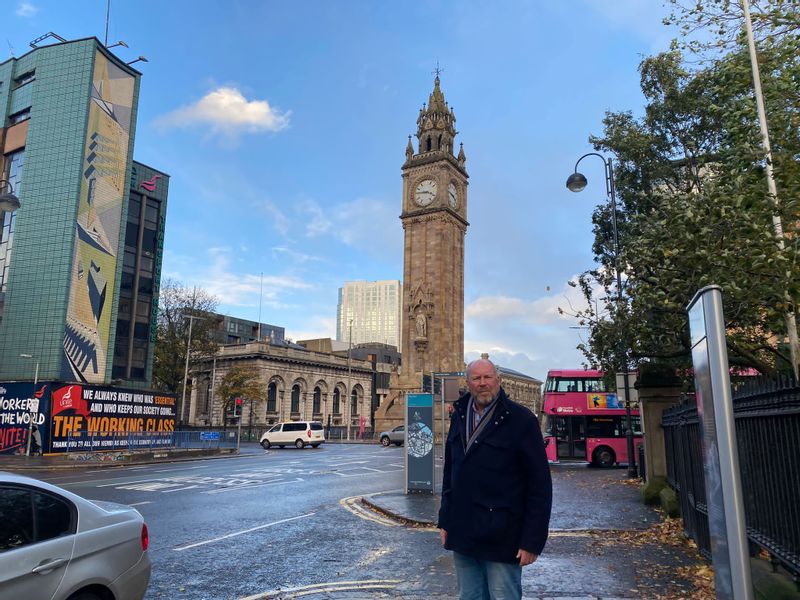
(284, 126)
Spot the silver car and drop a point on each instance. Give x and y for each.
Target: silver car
(396, 436)
(57, 545)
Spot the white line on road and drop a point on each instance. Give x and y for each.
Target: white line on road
(334, 586)
(180, 489)
(234, 534)
(255, 485)
(140, 503)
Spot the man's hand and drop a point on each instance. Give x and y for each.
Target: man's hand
(443, 535)
(525, 558)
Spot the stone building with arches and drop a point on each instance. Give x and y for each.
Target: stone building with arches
(298, 384)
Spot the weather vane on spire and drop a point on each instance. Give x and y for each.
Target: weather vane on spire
(437, 70)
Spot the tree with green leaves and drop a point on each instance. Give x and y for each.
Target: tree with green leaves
(694, 210)
(240, 381)
(176, 303)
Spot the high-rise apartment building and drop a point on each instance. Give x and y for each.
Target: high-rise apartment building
(371, 309)
(80, 259)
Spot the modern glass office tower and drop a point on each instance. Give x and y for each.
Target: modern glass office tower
(79, 237)
(371, 309)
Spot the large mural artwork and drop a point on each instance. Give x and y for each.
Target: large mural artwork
(98, 223)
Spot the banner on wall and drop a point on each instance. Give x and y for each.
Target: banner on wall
(22, 409)
(73, 416)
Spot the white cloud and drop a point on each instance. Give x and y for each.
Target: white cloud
(231, 288)
(527, 335)
(540, 311)
(279, 219)
(314, 327)
(229, 113)
(27, 10)
(317, 223)
(297, 257)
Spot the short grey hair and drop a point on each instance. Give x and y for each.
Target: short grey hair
(480, 360)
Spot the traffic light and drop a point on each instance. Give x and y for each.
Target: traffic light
(237, 407)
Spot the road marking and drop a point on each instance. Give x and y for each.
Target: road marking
(121, 482)
(255, 485)
(322, 588)
(353, 505)
(237, 533)
(190, 487)
(141, 503)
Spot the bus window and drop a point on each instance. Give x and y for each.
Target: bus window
(566, 385)
(603, 427)
(594, 385)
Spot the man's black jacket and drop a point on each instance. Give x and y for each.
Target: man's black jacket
(496, 494)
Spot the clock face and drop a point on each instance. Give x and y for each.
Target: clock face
(452, 196)
(425, 192)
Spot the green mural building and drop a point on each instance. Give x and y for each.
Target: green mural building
(80, 259)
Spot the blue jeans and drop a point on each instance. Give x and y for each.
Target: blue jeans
(487, 580)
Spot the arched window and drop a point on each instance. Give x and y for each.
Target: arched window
(296, 398)
(428, 144)
(353, 403)
(272, 395)
(317, 401)
(336, 409)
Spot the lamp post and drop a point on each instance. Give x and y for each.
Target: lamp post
(576, 183)
(186, 368)
(349, 398)
(8, 200)
(777, 225)
(33, 398)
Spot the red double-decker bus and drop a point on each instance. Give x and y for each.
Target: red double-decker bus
(586, 421)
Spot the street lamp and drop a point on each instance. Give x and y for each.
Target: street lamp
(186, 367)
(33, 398)
(348, 403)
(576, 183)
(8, 201)
(141, 58)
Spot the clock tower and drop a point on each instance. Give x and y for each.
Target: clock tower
(434, 219)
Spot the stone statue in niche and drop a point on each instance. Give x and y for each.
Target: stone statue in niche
(422, 325)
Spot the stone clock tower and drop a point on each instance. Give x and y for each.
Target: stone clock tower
(434, 217)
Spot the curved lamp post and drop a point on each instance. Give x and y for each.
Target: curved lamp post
(576, 183)
(8, 201)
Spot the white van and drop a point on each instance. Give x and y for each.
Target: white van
(296, 433)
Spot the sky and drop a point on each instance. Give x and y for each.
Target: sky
(283, 126)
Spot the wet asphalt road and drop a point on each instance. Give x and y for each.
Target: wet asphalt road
(277, 524)
(265, 521)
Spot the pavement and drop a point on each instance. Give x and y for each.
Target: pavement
(604, 542)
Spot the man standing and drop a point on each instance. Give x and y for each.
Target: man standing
(496, 489)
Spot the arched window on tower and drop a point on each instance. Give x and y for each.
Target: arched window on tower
(428, 144)
(439, 143)
(296, 398)
(272, 395)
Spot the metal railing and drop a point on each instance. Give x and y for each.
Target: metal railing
(767, 417)
(95, 441)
